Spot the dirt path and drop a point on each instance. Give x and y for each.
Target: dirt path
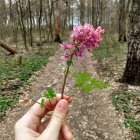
(92, 115)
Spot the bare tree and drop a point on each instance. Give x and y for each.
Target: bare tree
(65, 16)
(19, 7)
(122, 21)
(50, 6)
(40, 20)
(82, 11)
(132, 70)
(93, 12)
(57, 21)
(31, 24)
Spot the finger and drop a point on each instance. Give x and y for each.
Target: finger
(56, 121)
(47, 119)
(60, 137)
(66, 132)
(39, 112)
(50, 104)
(33, 117)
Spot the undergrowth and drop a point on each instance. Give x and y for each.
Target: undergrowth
(111, 57)
(10, 72)
(6, 102)
(126, 102)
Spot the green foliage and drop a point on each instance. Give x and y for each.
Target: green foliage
(134, 125)
(122, 101)
(87, 83)
(50, 94)
(10, 70)
(32, 64)
(6, 102)
(42, 103)
(69, 62)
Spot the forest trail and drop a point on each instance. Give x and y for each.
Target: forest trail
(92, 115)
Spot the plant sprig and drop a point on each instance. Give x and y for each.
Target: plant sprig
(50, 94)
(84, 37)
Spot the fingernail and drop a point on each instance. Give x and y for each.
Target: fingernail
(62, 105)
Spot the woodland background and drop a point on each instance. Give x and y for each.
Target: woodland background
(30, 33)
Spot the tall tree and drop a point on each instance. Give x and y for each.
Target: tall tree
(82, 11)
(19, 8)
(57, 21)
(93, 12)
(50, 5)
(40, 19)
(122, 21)
(100, 11)
(132, 70)
(65, 16)
(31, 24)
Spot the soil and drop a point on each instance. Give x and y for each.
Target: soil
(92, 115)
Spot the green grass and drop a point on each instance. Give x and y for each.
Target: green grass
(10, 71)
(6, 102)
(34, 63)
(123, 101)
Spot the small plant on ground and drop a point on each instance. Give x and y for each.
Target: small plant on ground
(13, 76)
(124, 102)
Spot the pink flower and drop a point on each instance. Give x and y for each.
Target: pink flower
(87, 34)
(66, 45)
(79, 55)
(66, 56)
(83, 37)
(100, 30)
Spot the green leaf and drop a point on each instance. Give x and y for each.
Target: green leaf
(87, 88)
(50, 94)
(69, 62)
(87, 83)
(42, 103)
(81, 79)
(99, 84)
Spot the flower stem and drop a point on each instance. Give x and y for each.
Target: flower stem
(66, 75)
(65, 79)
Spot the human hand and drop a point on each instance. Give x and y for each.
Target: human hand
(30, 126)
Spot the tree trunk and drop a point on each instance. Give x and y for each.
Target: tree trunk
(31, 24)
(57, 21)
(101, 12)
(19, 5)
(93, 12)
(40, 20)
(50, 8)
(65, 17)
(88, 9)
(132, 70)
(6, 47)
(122, 21)
(82, 11)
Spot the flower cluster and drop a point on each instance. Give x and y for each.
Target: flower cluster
(83, 37)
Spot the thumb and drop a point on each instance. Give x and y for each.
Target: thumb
(53, 129)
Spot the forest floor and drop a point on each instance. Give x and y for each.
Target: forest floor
(92, 115)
